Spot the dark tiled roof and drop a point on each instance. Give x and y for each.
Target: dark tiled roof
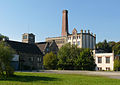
(24, 47)
(42, 45)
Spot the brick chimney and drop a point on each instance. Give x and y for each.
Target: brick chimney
(65, 23)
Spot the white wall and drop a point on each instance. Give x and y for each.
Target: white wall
(104, 64)
(86, 40)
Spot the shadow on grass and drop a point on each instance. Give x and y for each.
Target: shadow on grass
(30, 78)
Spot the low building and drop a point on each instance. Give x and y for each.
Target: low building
(104, 61)
(27, 56)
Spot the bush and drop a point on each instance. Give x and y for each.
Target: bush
(116, 65)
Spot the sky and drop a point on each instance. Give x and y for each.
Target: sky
(44, 18)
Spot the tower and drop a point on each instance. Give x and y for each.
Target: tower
(28, 38)
(64, 23)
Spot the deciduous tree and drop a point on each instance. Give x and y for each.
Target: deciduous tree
(71, 57)
(116, 65)
(50, 61)
(6, 55)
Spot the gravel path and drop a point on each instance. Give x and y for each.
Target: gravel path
(115, 75)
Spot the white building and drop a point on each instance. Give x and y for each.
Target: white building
(82, 39)
(104, 61)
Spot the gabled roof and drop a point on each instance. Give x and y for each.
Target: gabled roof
(42, 45)
(21, 47)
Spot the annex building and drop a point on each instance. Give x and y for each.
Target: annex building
(84, 39)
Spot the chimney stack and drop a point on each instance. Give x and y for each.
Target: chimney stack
(94, 35)
(88, 31)
(81, 31)
(65, 23)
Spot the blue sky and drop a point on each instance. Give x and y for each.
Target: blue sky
(44, 18)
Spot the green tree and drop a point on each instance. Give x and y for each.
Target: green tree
(6, 55)
(50, 61)
(71, 57)
(104, 46)
(116, 48)
(85, 60)
(2, 36)
(66, 56)
(116, 65)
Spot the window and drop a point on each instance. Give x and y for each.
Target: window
(31, 59)
(39, 59)
(78, 42)
(99, 59)
(47, 49)
(69, 38)
(100, 68)
(107, 68)
(107, 59)
(25, 37)
(74, 37)
(78, 37)
(31, 37)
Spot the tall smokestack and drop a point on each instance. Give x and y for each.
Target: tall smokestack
(65, 23)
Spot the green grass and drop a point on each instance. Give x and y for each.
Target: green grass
(57, 79)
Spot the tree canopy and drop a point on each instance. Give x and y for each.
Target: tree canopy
(6, 55)
(104, 46)
(116, 65)
(116, 48)
(108, 46)
(50, 61)
(2, 36)
(71, 57)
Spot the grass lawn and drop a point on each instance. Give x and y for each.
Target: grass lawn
(57, 79)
